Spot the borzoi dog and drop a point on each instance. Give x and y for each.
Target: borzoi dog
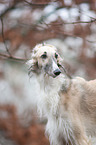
(68, 104)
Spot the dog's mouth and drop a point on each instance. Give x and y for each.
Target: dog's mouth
(54, 76)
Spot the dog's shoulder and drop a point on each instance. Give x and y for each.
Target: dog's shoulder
(80, 82)
(92, 83)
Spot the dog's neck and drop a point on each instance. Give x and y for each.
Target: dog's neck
(50, 89)
(48, 83)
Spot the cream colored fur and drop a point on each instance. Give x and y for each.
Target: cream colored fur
(68, 104)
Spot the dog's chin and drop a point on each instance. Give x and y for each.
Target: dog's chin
(53, 75)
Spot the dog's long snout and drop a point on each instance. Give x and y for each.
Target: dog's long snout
(57, 72)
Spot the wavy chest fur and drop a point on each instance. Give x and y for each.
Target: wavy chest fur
(49, 93)
(49, 106)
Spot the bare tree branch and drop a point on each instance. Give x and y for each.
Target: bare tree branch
(36, 5)
(3, 37)
(77, 22)
(7, 10)
(13, 58)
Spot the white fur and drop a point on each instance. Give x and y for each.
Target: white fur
(59, 126)
(54, 66)
(68, 104)
(48, 106)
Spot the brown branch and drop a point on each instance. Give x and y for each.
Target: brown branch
(36, 5)
(4, 38)
(7, 10)
(1, 17)
(77, 22)
(13, 58)
(90, 41)
(91, 21)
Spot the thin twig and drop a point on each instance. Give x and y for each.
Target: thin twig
(77, 22)
(7, 10)
(4, 38)
(13, 58)
(36, 5)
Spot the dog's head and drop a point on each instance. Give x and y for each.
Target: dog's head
(45, 59)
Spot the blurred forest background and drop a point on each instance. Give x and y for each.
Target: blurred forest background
(70, 25)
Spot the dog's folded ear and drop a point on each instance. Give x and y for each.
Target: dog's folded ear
(33, 66)
(29, 62)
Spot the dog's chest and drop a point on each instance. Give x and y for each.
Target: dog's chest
(51, 103)
(53, 106)
(58, 120)
(61, 127)
(50, 98)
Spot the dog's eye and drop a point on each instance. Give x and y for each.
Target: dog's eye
(44, 56)
(56, 55)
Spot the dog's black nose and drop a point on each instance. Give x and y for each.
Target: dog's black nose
(57, 72)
